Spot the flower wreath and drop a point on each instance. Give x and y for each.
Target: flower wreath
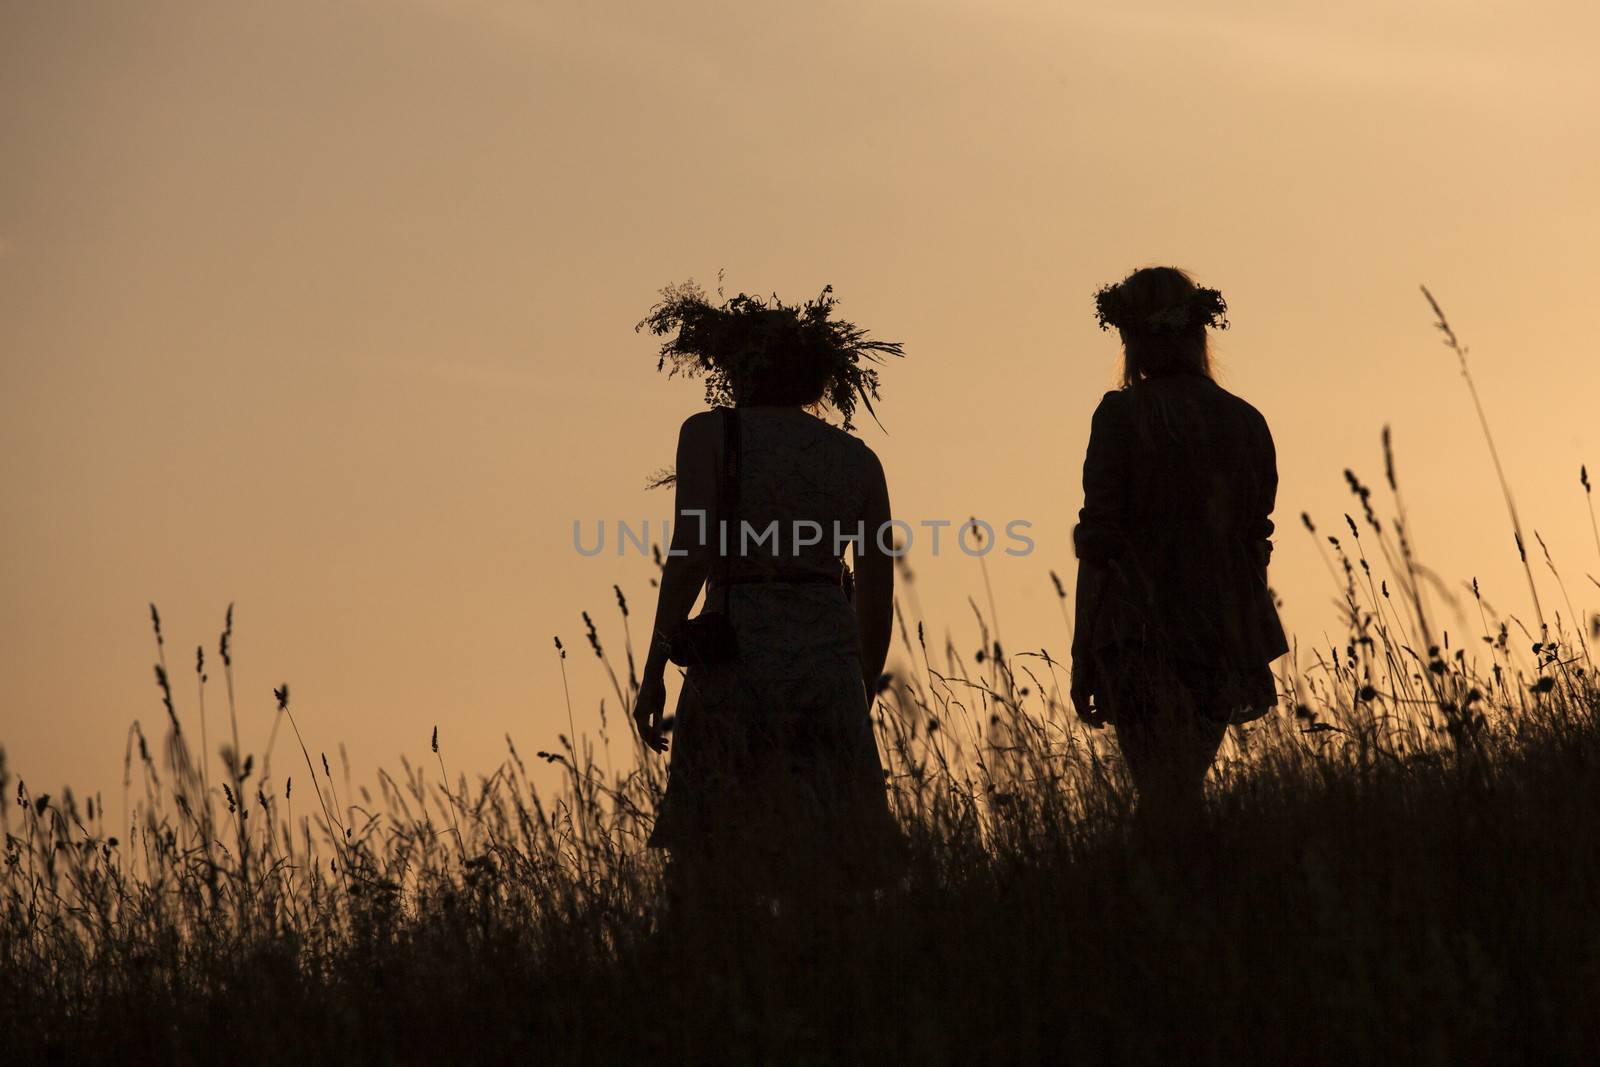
(727, 341)
(1202, 307)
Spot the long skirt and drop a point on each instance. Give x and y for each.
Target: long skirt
(775, 775)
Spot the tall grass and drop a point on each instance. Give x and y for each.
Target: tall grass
(1400, 863)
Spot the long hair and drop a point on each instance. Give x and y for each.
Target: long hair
(1150, 354)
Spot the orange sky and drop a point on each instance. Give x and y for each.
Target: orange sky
(327, 308)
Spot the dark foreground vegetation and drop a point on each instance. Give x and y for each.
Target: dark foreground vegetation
(1404, 866)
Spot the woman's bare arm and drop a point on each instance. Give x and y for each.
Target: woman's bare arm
(687, 565)
(874, 575)
(694, 533)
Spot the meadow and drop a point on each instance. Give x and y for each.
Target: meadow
(1401, 862)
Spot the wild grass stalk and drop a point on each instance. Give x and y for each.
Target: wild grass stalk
(1452, 342)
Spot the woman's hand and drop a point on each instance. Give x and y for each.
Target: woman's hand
(1083, 698)
(648, 708)
(870, 687)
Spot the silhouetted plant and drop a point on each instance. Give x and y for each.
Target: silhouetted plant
(743, 335)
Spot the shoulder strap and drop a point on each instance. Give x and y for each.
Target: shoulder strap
(728, 501)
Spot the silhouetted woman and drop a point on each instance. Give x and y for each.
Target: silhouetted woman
(775, 777)
(1175, 624)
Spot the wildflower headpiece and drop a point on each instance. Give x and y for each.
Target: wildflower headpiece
(736, 339)
(1202, 307)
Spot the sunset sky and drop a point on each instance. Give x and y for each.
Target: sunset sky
(326, 309)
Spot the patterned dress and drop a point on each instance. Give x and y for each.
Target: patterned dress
(773, 756)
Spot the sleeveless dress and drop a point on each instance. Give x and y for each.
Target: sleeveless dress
(774, 763)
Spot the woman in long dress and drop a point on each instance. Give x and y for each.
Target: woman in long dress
(775, 777)
(1176, 626)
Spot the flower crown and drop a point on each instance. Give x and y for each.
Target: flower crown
(731, 340)
(1202, 307)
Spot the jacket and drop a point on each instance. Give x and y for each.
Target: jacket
(1174, 537)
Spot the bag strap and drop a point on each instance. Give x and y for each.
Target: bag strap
(728, 503)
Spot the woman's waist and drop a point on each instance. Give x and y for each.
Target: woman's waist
(1219, 627)
(790, 618)
(759, 571)
(773, 590)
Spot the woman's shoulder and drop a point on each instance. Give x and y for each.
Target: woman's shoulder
(810, 425)
(856, 454)
(1114, 398)
(702, 423)
(865, 456)
(701, 434)
(1246, 411)
(1113, 406)
(857, 451)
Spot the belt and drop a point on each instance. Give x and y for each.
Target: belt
(787, 578)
